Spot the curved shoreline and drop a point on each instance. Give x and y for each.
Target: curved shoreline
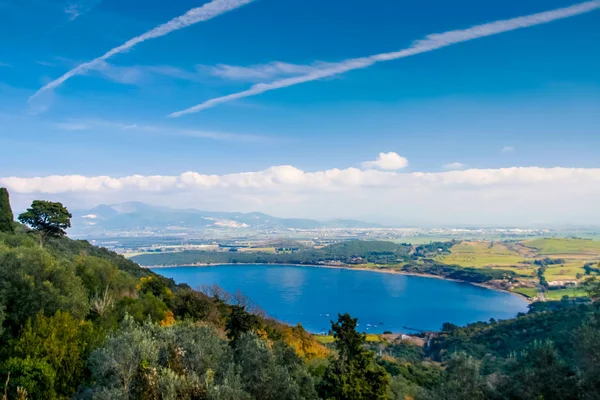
(347, 267)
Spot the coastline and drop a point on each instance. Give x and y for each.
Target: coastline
(348, 267)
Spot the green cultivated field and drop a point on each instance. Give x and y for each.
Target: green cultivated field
(528, 292)
(519, 257)
(482, 254)
(581, 248)
(571, 292)
(562, 272)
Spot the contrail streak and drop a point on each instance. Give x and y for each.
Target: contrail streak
(430, 43)
(193, 16)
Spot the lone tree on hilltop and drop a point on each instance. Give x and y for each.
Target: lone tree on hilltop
(48, 218)
(6, 214)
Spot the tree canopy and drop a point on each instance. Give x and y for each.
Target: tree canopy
(48, 218)
(6, 214)
(353, 375)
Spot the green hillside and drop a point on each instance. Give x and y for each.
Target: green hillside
(81, 322)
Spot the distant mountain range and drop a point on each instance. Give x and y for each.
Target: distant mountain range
(141, 217)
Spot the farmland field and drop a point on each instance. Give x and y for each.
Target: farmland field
(482, 254)
(571, 292)
(520, 257)
(529, 292)
(580, 248)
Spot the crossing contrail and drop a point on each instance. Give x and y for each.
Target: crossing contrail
(193, 16)
(429, 43)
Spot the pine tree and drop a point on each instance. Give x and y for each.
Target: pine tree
(48, 218)
(6, 214)
(353, 375)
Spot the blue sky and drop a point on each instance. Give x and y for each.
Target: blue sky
(523, 98)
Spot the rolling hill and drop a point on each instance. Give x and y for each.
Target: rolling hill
(141, 217)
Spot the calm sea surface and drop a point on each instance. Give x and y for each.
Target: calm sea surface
(313, 296)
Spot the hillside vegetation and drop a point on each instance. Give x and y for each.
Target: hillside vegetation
(81, 322)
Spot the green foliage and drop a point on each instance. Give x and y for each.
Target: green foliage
(239, 322)
(185, 361)
(69, 249)
(587, 346)
(35, 375)
(33, 281)
(59, 346)
(461, 380)
(48, 218)
(434, 249)
(353, 375)
(539, 373)
(124, 357)
(592, 287)
(192, 305)
(474, 275)
(272, 374)
(145, 307)
(406, 352)
(6, 214)
(98, 274)
(555, 321)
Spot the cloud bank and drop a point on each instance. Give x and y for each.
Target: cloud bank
(506, 196)
(429, 43)
(193, 16)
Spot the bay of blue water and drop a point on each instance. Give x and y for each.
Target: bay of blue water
(381, 302)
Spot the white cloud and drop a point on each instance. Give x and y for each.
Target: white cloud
(132, 74)
(5, 65)
(388, 161)
(516, 195)
(430, 43)
(127, 75)
(193, 16)
(77, 8)
(73, 11)
(289, 177)
(454, 166)
(508, 149)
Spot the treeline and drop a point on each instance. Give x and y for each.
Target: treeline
(549, 353)
(351, 252)
(456, 272)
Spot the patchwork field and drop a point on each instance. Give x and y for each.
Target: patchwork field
(578, 248)
(483, 254)
(519, 257)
